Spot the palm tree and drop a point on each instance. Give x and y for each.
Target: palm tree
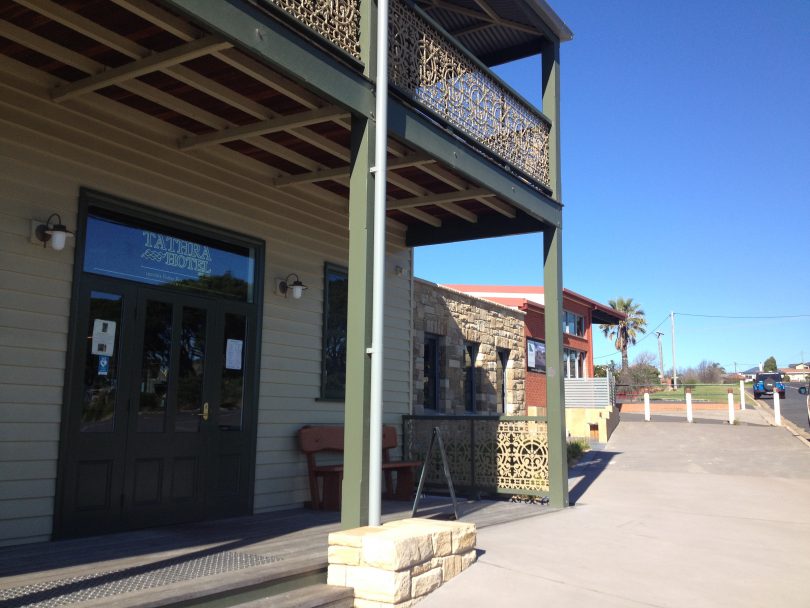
(628, 329)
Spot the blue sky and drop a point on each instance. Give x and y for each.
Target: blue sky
(686, 175)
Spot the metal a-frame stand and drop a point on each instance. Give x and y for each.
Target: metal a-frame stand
(436, 437)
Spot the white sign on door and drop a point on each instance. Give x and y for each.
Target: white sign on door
(103, 337)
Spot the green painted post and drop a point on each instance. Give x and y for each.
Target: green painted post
(555, 391)
(354, 505)
(553, 286)
(551, 108)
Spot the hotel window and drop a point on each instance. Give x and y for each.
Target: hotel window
(573, 324)
(573, 363)
(470, 354)
(431, 372)
(500, 378)
(335, 300)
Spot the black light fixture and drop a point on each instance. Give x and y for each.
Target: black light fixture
(296, 287)
(54, 232)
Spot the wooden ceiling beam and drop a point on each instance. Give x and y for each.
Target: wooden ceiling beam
(265, 127)
(210, 87)
(450, 179)
(437, 199)
(340, 173)
(422, 216)
(147, 65)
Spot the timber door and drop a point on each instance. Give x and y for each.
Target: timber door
(160, 414)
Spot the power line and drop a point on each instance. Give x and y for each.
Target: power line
(687, 314)
(648, 334)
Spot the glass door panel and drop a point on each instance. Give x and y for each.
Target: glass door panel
(157, 351)
(190, 375)
(229, 414)
(101, 363)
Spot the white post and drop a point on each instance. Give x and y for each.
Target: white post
(730, 406)
(647, 407)
(742, 394)
(378, 272)
(689, 405)
(777, 411)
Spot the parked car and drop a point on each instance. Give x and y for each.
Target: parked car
(768, 383)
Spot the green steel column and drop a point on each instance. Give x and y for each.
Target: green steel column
(555, 394)
(553, 286)
(354, 507)
(354, 501)
(551, 108)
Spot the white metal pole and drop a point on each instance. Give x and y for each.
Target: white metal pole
(742, 395)
(378, 278)
(647, 407)
(689, 405)
(674, 369)
(730, 406)
(777, 410)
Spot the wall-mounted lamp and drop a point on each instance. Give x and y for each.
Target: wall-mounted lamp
(295, 287)
(54, 232)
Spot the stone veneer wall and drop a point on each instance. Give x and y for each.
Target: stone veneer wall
(457, 317)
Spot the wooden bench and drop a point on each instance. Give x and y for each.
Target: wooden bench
(316, 439)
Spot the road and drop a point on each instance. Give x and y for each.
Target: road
(793, 406)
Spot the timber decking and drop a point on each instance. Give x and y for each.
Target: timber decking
(258, 555)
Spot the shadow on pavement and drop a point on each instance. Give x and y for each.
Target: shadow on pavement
(590, 466)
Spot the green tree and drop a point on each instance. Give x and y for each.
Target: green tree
(769, 365)
(628, 329)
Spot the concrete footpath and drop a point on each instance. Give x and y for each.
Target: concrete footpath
(667, 514)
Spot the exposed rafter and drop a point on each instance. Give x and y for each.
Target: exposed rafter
(265, 127)
(424, 217)
(437, 199)
(130, 71)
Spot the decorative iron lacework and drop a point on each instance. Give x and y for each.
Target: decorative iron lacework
(490, 454)
(336, 20)
(429, 68)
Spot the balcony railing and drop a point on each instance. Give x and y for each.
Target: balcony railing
(486, 454)
(431, 69)
(338, 21)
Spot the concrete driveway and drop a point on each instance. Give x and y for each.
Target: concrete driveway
(668, 514)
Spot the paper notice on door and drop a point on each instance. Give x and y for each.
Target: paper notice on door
(103, 337)
(233, 354)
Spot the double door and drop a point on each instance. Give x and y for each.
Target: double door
(161, 423)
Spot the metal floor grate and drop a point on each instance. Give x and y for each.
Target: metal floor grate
(72, 590)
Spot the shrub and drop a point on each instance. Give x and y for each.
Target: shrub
(576, 448)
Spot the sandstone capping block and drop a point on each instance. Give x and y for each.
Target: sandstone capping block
(397, 564)
(397, 549)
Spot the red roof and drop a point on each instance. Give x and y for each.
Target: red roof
(521, 295)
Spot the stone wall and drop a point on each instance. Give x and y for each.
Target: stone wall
(455, 318)
(396, 565)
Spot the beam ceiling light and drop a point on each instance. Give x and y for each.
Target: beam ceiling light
(54, 232)
(287, 286)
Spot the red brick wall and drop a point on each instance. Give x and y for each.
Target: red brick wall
(535, 328)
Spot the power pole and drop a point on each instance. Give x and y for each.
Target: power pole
(660, 354)
(674, 369)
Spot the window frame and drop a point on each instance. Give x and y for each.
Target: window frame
(331, 268)
(433, 339)
(577, 321)
(501, 367)
(469, 388)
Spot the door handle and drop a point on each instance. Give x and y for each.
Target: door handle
(204, 411)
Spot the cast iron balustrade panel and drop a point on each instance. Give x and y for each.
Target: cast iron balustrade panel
(428, 67)
(433, 71)
(494, 454)
(338, 21)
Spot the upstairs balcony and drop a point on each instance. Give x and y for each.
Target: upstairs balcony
(433, 70)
